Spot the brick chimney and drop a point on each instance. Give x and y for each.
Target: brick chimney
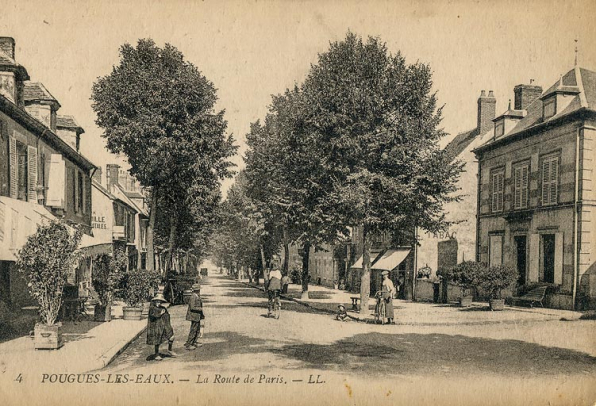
(7, 46)
(525, 95)
(487, 106)
(112, 171)
(97, 175)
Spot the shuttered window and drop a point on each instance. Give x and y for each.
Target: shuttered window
(497, 187)
(13, 167)
(32, 174)
(520, 186)
(550, 180)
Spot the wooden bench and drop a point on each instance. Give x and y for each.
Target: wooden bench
(355, 300)
(533, 296)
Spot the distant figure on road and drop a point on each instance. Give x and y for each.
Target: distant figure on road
(159, 327)
(273, 285)
(388, 293)
(194, 315)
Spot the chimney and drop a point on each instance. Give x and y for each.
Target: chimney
(525, 95)
(486, 111)
(112, 175)
(97, 175)
(7, 46)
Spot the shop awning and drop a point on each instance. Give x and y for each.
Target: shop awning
(357, 264)
(391, 259)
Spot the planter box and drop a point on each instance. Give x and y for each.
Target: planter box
(496, 304)
(145, 309)
(131, 313)
(48, 337)
(102, 313)
(465, 301)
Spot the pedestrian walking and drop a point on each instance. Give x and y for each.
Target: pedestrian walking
(159, 327)
(388, 291)
(273, 287)
(196, 316)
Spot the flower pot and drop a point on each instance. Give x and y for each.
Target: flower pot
(465, 301)
(102, 313)
(131, 313)
(48, 337)
(145, 309)
(497, 304)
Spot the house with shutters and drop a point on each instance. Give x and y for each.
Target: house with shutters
(536, 197)
(43, 175)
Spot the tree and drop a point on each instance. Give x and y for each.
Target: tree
(376, 119)
(158, 110)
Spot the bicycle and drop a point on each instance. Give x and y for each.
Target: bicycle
(380, 308)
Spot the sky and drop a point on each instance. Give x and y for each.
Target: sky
(253, 49)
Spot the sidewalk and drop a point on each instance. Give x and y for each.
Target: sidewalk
(82, 352)
(422, 313)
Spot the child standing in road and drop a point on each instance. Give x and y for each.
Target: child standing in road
(159, 327)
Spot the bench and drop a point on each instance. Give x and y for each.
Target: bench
(533, 296)
(355, 300)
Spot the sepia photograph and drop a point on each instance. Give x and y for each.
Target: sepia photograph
(297, 202)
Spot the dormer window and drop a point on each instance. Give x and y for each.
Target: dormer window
(549, 108)
(499, 128)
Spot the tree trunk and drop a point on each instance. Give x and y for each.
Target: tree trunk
(305, 275)
(365, 279)
(150, 227)
(262, 249)
(171, 242)
(284, 268)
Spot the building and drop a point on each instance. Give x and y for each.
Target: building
(536, 198)
(459, 242)
(42, 176)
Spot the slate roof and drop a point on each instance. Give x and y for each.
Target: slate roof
(461, 141)
(35, 91)
(580, 82)
(68, 122)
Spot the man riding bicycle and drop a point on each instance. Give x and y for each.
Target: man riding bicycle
(273, 287)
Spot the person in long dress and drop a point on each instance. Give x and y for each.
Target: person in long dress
(159, 327)
(388, 290)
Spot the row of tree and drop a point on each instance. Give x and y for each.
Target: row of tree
(354, 145)
(159, 111)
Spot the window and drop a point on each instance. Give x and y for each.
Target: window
(550, 180)
(497, 187)
(495, 248)
(520, 186)
(499, 128)
(22, 171)
(549, 108)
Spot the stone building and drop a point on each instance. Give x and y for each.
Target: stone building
(536, 198)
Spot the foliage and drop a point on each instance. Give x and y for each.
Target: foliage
(493, 280)
(467, 275)
(106, 275)
(46, 260)
(136, 286)
(296, 276)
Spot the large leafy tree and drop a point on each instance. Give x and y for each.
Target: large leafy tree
(158, 110)
(377, 121)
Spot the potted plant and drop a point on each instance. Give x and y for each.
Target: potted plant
(466, 276)
(46, 260)
(106, 274)
(494, 281)
(135, 290)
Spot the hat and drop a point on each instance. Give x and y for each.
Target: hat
(385, 273)
(159, 297)
(196, 286)
(341, 307)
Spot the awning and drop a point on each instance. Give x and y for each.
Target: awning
(357, 264)
(391, 259)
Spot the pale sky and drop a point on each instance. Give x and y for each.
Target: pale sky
(251, 50)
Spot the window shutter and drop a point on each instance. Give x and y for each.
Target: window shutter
(517, 188)
(501, 178)
(554, 172)
(76, 190)
(13, 167)
(534, 257)
(524, 187)
(56, 182)
(32, 187)
(545, 182)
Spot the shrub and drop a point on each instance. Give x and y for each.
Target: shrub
(108, 271)
(495, 279)
(467, 275)
(296, 276)
(136, 286)
(46, 260)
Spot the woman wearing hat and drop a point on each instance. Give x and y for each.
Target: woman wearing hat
(388, 290)
(159, 327)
